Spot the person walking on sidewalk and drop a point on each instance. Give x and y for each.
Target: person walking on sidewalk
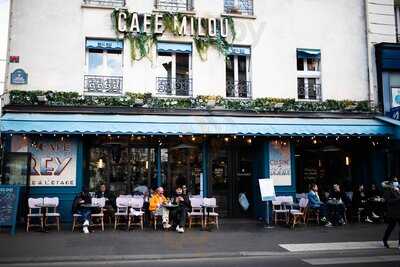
(392, 199)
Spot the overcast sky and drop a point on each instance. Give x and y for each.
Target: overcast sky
(4, 10)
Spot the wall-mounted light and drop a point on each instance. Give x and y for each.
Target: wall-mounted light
(347, 161)
(100, 164)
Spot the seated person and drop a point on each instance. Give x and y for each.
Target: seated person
(339, 209)
(360, 200)
(85, 213)
(377, 207)
(315, 203)
(179, 214)
(104, 193)
(156, 207)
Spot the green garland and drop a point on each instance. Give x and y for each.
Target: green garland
(24, 98)
(142, 43)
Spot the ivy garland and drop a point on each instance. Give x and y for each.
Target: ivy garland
(24, 98)
(142, 43)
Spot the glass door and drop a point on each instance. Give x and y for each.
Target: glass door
(16, 169)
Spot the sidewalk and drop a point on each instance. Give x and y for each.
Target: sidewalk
(234, 237)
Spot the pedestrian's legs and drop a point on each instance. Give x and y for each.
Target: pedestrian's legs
(389, 229)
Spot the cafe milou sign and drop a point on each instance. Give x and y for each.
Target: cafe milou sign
(143, 30)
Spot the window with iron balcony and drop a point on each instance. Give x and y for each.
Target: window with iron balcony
(238, 83)
(239, 7)
(174, 5)
(309, 74)
(105, 3)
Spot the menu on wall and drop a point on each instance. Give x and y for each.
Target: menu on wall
(9, 197)
(280, 163)
(53, 162)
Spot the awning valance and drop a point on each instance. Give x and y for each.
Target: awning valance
(104, 44)
(239, 50)
(308, 53)
(174, 48)
(187, 125)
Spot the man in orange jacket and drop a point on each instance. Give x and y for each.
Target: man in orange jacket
(156, 207)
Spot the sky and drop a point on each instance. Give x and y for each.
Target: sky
(4, 10)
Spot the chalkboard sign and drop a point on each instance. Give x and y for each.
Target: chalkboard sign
(9, 198)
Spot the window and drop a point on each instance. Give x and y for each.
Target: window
(397, 20)
(174, 5)
(174, 69)
(104, 67)
(308, 74)
(108, 3)
(241, 7)
(238, 82)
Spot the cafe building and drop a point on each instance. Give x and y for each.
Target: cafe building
(213, 95)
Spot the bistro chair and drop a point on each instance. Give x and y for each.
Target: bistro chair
(281, 209)
(211, 203)
(301, 213)
(34, 212)
(99, 216)
(196, 211)
(136, 204)
(122, 211)
(51, 204)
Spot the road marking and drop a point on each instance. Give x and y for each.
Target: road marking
(352, 260)
(335, 246)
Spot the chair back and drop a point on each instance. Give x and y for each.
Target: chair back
(210, 201)
(122, 204)
(125, 196)
(136, 202)
(52, 202)
(100, 202)
(303, 203)
(33, 202)
(196, 202)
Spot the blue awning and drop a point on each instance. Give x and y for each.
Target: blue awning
(105, 44)
(308, 53)
(239, 50)
(187, 125)
(174, 48)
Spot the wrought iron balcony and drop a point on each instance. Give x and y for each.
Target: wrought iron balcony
(309, 92)
(107, 3)
(174, 87)
(239, 89)
(103, 85)
(174, 5)
(241, 7)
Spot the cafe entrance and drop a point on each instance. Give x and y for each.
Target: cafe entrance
(231, 173)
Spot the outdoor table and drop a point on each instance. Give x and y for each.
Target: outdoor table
(207, 208)
(43, 208)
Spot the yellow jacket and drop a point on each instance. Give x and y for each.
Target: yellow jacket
(156, 200)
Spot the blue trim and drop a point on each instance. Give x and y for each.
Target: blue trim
(205, 168)
(308, 53)
(105, 44)
(174, 48)
(239, 50)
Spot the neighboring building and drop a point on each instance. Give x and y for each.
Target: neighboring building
(290, 99)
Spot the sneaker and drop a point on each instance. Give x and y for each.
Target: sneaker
(375, 216)
(368, 220)
(180, 230)
(323, 219)
(166, 225)
(329, 224)
(385, 244)
(86, 230)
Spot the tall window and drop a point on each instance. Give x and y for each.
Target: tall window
(174, 69)
(397, 20)
(238, 82)
(104, 66)
(308, 74)
(241, 7)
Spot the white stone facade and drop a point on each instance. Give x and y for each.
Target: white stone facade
(49, 37)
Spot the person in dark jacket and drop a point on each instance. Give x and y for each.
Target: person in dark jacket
(85, 213)
(360, 201)
(179, 214)
(109, 208)
(392, 199)
(342, 202)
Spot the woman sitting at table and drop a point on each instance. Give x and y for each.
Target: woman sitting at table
(360, 201)
(338, 201)
(179, 214)
(156, 206)
(78, 208)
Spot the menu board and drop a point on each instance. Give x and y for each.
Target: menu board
(9, 197)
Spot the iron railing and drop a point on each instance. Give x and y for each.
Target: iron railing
(241, 7)
(103, 85)
(239, 89)
(174, 87)
(108, 3)
(174, 5)
(309, 92)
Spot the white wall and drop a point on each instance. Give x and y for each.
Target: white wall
(4, 19)
(49, 36)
